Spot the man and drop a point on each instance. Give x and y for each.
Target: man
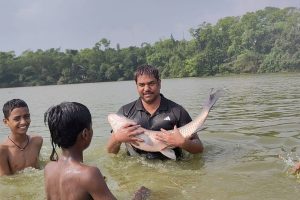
(19, 150)
(155, 112)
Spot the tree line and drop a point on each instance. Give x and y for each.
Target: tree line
(264, 41)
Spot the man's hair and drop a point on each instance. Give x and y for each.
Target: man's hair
(66, 121)
(12, 104)
(148, 70)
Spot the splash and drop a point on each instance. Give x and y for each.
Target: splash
(290, 159)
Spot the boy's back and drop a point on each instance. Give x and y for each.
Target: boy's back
(67, 179)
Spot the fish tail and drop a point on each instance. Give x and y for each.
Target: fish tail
(212, 99)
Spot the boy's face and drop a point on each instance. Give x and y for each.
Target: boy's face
(18, 120)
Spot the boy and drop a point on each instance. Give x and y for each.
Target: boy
(66, 177)
(19, 150)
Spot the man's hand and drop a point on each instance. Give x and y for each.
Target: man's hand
(174, 139)
(128, 133)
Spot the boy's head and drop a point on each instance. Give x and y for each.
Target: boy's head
(66, 121)
(12, 104)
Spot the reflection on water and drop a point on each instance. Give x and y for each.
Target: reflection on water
(251, 142)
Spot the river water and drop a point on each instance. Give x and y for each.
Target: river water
(251, 141)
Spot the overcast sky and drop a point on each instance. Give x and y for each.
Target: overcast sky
(79, 24)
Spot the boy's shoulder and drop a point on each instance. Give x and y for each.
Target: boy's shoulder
(93, 177)
(3, 148)
(36, 139)
(50, 166)
(91, 171)
(89, 168)
(4, 151)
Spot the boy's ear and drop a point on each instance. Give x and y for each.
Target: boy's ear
(84, 133)
(5, 121)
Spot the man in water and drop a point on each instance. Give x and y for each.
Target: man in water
(155, 112)
(19, 150)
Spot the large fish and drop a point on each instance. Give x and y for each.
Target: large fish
(151, 144)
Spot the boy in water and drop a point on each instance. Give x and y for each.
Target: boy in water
(66, 177)
(19, 150)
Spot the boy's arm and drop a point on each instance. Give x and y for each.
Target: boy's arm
(4, 165)
(36, 142)
(96, 185)
(39, 143)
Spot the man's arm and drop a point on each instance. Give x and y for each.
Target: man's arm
(193, 145)
(113, 145)
(4, 165)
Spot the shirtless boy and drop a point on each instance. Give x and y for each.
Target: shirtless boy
(66, 176)
(19, 150)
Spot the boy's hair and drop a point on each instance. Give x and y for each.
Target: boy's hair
(146, 70)
(65, 122)
(12, 104)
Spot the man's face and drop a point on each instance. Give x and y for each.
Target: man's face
(18, 120)
(148, 88)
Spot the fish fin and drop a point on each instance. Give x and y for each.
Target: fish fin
(169, 153)
(130, 150)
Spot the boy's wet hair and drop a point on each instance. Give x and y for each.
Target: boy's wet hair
(12, 104)
(148, 70)
(66, 121)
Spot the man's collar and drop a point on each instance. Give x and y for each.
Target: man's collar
(139, 105)
(163, 103)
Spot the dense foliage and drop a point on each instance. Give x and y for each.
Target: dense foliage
(258, 42)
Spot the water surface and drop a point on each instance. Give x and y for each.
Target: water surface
(255, 123)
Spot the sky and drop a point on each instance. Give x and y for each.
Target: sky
(79, 24)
